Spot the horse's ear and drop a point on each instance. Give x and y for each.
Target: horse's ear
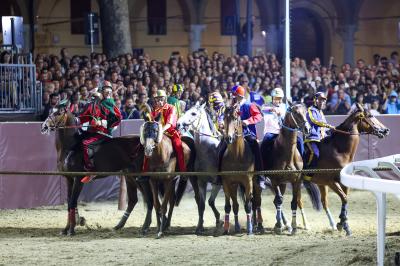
(203, 105)
(197, 104)
(289, 102)
(146, 116)
(158, 117)
(359, 107)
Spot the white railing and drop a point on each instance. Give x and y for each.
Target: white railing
(360, 175)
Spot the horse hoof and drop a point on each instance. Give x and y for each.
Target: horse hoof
(219, 223)
(278, 230)
(237, 229)
(289, 229)
(63, 232)
(339, 226)
(82, 221)
(160, 235)
(199, 231)
(294, 231)
(71, 233)
(225, 233)
(260, 229)
(250, 234)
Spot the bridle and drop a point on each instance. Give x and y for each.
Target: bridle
(196, 128)
(298, 126)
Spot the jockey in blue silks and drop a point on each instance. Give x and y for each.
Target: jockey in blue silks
(250, 115)
(273, 117)
(318, 123)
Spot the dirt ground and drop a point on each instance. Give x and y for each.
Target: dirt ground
(31, 237)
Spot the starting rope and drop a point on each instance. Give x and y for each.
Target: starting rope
(222, 173)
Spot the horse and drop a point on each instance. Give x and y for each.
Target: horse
(115, 154)
(238, 156)
(338, 150)
(161, 158)
(284, 155)
(206, 143)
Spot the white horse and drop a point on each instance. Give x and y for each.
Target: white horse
(206, 143)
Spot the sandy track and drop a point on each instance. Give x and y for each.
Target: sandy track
(31, 237)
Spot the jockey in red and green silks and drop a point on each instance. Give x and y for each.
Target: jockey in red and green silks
(316, 119)
(168, 122)
(174, 99)
(103, 116)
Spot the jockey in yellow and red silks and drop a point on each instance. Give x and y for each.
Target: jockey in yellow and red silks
(168, 122)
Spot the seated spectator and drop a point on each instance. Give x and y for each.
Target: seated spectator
(129, 110)
(341, 103)
(54, 99)
(374, 110)
(359, 100)
(391, 105)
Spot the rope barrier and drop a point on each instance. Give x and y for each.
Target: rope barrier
(223, 173)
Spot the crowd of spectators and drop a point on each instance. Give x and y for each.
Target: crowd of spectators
(135, 80)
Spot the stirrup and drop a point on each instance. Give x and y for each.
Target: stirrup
(87, 179)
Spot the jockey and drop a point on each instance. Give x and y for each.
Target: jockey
(318, 123)
(102, 116)
(250, 115)
(174, 99)
(217, 104)
(168, 122)
(274, 115)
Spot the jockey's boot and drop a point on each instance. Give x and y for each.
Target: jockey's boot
(88, 179)
(261, 181)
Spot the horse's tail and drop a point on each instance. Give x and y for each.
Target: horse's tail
(180, 190)
(314, 193)
(242, 193)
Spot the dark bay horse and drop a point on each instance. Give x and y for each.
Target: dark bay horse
(117, 154)
(338, 150)
(284, 155)
(161, 158)
(238, 156)
(206, 141)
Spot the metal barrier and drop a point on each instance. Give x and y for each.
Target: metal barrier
(370, 180)
(19, 91)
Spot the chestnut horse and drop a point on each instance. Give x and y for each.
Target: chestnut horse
(161, 158)
(284, 155)
(338, 150)
(116, 154)
(238, 156)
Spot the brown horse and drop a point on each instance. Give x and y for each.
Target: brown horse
(284, 155)
(161, 158)
(338, 150)
(116, 154)
(237, 157)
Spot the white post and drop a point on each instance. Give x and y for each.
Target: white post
(287, 51)
(381, 219)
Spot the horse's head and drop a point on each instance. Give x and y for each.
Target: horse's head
(150, 135)
(233, 123)
(296, 117)
(57, 118)
(191, 117)
(367, 123)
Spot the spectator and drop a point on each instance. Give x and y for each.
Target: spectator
(54, 99)
(360, 101)
(129, 110)
(391, 105)
(341, 104)
(374, 108)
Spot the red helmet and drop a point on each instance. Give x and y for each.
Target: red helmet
(240, 91)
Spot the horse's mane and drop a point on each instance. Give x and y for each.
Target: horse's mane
(210, 121)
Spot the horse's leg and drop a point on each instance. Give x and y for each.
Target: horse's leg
(132, 200)
(296, 186)
(148, 197)
(256, 206)
(248, 204)
(211, 202)
(73, 203)
(301, 207)
(227, 192)
(171, 206)
(70, 183)
(284, 220)
(169, 193)
(278, 205)
(156, 202)
(324, 199)
(343, 213)
(202, 191)
(235, 207)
